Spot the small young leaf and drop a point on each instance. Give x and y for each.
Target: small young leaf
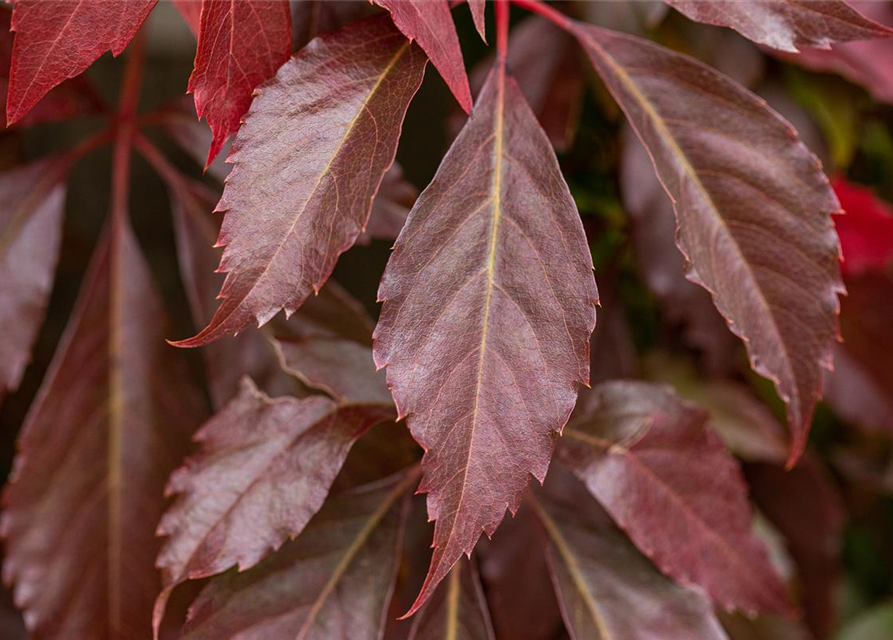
(866, 229)
(334, 582)
(457, 609)
(308, 162)
(489, 302)
(30, 232)
(752, 205)
(671, 485)
(786, 24)
(265, 467)
(112, 418)
(55, 41)
(479, 15)
(429, 23)
(606, 588)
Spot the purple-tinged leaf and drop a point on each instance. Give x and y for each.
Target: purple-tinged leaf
(606, 588)
(752, 205)
(264, 469)
(30, 233)
(457, 609)
(489, 302)
(112, 418)
(786, 25)
(332, 583)
(668, 481)
(308, 162)
(390, 207)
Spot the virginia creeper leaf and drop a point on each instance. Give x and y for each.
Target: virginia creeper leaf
(479, 15)
(191, 10)
(112, 418)
(390, 207)
(30, 233)
(786, 24)
(241, 43)
(264, 468)
(457, 610)
(607, 589)
(668, 481)
(866, 229)
(430, 24)
(55, 41)
(489, 301)
(740, 627)
(333, 583)
(752, 205)
(307, 163)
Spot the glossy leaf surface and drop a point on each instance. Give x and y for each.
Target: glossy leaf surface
(332, 583)
(307, 163)
(489, 301)
(671, 485)
(753, 209)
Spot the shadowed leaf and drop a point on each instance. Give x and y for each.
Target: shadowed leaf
(457, 610)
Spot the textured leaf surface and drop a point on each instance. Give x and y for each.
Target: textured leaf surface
(241, 43)
(55, 41)
(112, 419)
(866, 229)
(607, 589)
(670, 483)
(457, 610)
(30, 233)
(489, 301)
(308, 161)
(752, 204)
(787, 25)
(429, 23)
(264, 468)
(332, 583)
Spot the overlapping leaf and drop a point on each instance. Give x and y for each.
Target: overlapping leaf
(668, 481)
(457, 609)
(241, 43)
(866, 231)
(489, 301)
(30, 233)
(606, 588)
(390, 207)
(479, 15)
(112, 419)
(752, 205)
(429, 23)
(55, 41)
(332, 583)
(308, 162)
(787, 25)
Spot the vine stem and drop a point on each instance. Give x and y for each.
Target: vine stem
(125, 127)
(551, 14)
(501, 8)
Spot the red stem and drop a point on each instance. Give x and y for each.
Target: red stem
(125, 127)
(501, 8)
(541, 8)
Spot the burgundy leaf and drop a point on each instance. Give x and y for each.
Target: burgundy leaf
(191, 10)
(111, 420)
(308, 162)
(313, 17)
(786, 24)
(30, 233)
(489, 302)
(55, 41)
(429, 23)
(752, 205)
(457, 609)
(606, 588)
(390, 207)
(264, 468)
(671, 485)
(178, 120)
(739, 627)
(192, 204)
(241, 43)
(866, 229)
(332, 583)
(479, 15)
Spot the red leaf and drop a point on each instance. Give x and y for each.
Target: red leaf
(334, 581)
(297, 197)
(866, 229)
(786, 24)
(241, 43)
(112, 418)
(58, 40)
(479, 15)
(390, 207)
(489, 302)
(30, 233)
(429, 23)
(191, 10)
(606, 588)
(457, 609)
(752, 205)
(673, 487)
